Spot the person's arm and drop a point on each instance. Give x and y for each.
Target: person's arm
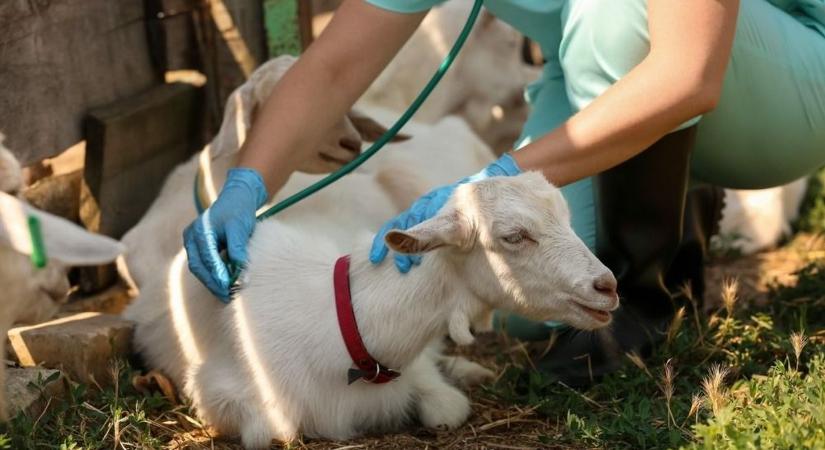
(311, 97)
(321, 87)
(681, 77)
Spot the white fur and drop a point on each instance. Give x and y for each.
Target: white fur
(754, 220)
(273, 364)
(29, 294)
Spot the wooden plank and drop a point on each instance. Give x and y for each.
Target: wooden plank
(239, 38)
(305, 14)
(61, 57)
(322, 6)
(131, 146)
(171, 32)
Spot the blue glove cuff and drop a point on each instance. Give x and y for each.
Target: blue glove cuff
(248, 179)
(504, 166)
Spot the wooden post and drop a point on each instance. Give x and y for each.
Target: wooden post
(132, 145)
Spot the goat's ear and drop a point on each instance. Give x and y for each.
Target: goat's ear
(63, 240)
(487, 19)
(442, 230)
(369, 129)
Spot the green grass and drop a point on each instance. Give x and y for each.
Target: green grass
(116, 416)
(812, 212)
(762, 392)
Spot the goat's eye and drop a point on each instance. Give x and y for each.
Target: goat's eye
(515, 238)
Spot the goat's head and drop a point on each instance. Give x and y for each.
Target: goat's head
(511, 243)
(340, 144)
(65, 243)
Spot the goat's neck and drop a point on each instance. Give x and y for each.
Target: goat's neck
(398, 315)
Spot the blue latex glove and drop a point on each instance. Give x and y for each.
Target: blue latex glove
(427, 206)
(228, 224)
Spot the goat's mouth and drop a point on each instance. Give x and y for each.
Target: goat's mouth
(334, 160)
(598, 315)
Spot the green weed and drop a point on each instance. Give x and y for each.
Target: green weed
(116, 416)
(812, 212)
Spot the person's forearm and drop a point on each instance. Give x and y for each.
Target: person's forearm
(322, 86)
(678, 80)
(614, 128)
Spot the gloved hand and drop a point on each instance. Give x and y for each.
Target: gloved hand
(427, 206)
(228, 224)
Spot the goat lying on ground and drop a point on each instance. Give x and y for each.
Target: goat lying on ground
(30, 294)
(273, 364)
(154, 241)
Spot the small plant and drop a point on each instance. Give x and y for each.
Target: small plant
(714, 388)
(784, 409)
(812, 212)
(116, 416)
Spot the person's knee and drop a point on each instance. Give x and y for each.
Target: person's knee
(602, 41)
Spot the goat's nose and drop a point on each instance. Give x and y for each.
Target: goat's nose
(606, 284)
(351, 144)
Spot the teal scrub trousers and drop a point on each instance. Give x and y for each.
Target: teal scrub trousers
(768, 128)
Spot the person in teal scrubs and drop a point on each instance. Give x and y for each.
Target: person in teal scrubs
(644, 110)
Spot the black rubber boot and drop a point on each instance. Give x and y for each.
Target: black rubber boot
(640, 210)
(703, 212)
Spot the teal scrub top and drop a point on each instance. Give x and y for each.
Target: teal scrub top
(531, 17)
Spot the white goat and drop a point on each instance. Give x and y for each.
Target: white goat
(484, 86)
(273, 363)
(755, 220)
(30, 294)
(438, 154)
(153, 242)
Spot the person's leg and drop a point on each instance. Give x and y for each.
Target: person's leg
(769, 126)
(638, 205)
(771, 97)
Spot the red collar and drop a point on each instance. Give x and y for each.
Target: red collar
(368, 369)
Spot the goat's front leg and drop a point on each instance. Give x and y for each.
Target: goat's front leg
(464, 371)
(440, 405)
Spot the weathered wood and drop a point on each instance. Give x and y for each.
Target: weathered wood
(305, 14)
(240, 42)
(321, 6)
(131, 147)
(58, 58)
(171, 33)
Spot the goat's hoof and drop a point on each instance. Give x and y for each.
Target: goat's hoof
(445, 410)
